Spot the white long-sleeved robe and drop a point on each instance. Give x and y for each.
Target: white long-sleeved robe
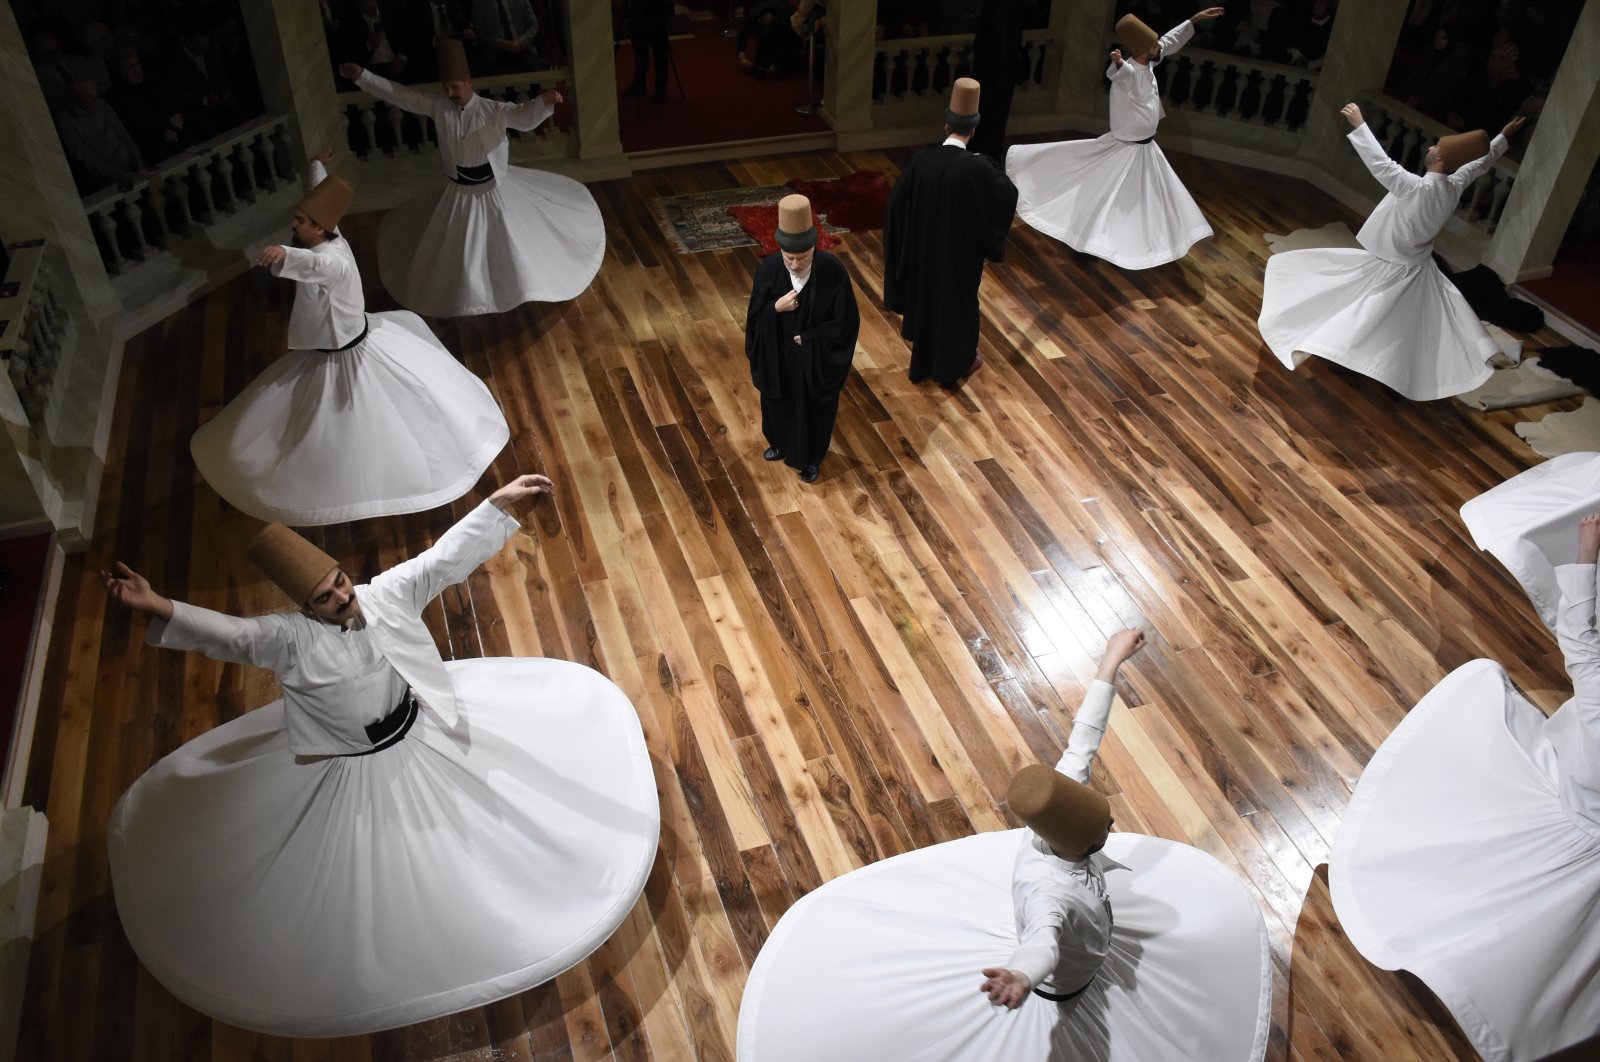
(1385, 310)
(1116, 196)
(329, 305)
(459, 249)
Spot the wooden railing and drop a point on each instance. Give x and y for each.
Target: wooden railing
(34, 328)
(189, 190)
(373, 127)
(918, 70)
(1238, 88)
(1406, 134)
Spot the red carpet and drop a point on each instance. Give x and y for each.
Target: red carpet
(1572, 286)
(853, 202)
(24, 560)
(718, 102)
(760, 222)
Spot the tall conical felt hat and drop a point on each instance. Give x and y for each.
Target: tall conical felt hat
(1135, 37)
(326, 203)
(1068, 815)
(293, 563)
(1461, 148)
(796, 230)
(453, 61)
(962, 114)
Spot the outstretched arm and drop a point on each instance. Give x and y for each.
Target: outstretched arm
(1389, 173)
(1089, 725)
(403, 96)
(1471, 171)
(265, 641)
(533, 113)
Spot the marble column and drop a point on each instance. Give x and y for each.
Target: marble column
(594, 79)
(1359, 53)
(1084, 29)
(38, 199)
(291, 57)
(847, 79)
(1557, 165)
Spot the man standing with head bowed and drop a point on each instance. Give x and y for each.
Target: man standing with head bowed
(949, 211)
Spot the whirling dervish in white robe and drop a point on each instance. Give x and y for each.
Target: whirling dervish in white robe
(1385, 310)
(492, 236)
(366, 415)
(1029, 945)
(1116, 197)
(396, 838)
(1470, 852)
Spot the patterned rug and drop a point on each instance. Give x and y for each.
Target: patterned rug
(746, 217)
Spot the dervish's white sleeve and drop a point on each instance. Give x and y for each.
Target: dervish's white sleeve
(1389, 173)
(529, 114)
(308, 266)
(1038, 939)
(1088, 730)
(265, 641)
(1580, 643)
(1175, 38)
(403, 96)
(1470, 172)
(474, 539)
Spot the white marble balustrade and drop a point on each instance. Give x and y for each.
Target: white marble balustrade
(189, 191)
(912, 73)
(373, 128)
(33, 329)
(1406, 134)
(1237, 87)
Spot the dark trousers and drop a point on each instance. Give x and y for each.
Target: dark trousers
(652, 42)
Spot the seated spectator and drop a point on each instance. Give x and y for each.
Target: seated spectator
(93, 137)
(148, 111)
(1437, 76)
(1261, 31)
(1308, 34)
(502, 35)
(372, 35)
(777, 48)
(55, 69)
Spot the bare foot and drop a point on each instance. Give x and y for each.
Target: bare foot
(1589, 539)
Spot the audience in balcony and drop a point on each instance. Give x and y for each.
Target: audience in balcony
(502, 37)
(148, 111)
(1308, 33)
(56, 69)
(1437, 76)
(96, 143)
(1260, 29)
(377, 35)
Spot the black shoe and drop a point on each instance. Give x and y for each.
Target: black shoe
(810, 473)
(634, 92)
(772, 454)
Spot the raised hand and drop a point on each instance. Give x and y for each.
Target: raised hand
(131, 590)
(1352, 114)
(1512, 126)
(1207, 15)
(1005, 988)
(1589, 539)
(1116, 56)
(271, 255)
(551, 97)
(325, 156)
(524, 486)
(350, 71)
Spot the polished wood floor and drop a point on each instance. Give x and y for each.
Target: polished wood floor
(835, 673)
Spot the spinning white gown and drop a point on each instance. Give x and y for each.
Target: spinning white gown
(1470, 854)
(1115, 197)
(1527, 523)
(1384, 311)
(274, 884)
(884, 963)
(516, 235)
(390, 424)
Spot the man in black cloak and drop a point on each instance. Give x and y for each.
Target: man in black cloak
(800, 337)
(950, 210)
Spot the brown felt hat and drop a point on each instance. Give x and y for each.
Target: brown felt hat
(1461, 148)
(1134, 36)
(453, 61)
(326, 203)
(962, 114)
(1068, 815)
(796, 230)
(293, 563)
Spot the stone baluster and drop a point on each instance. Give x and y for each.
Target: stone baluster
(155, 210)
(394, 118)
(1226, 103)
(281, 162)
(244, 157)
(369, 124)
(1180, 89)
(132, 219)
(177, 190)
(203, 191)
(261, 150)
(106, 226)
(1501, 191)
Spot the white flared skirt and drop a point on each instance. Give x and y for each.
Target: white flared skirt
(1457, 861)
(1530, 523)
(338, 895)
(885, 963)
(1109, 198)
(1405, 326)
(459, 250)
(393, 425)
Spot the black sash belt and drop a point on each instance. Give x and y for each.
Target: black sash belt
(1146, 140)
(474, 174)
(391, 728)
(353, 342)
(1054, 998)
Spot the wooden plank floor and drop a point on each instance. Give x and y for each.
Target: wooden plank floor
(831, 674)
